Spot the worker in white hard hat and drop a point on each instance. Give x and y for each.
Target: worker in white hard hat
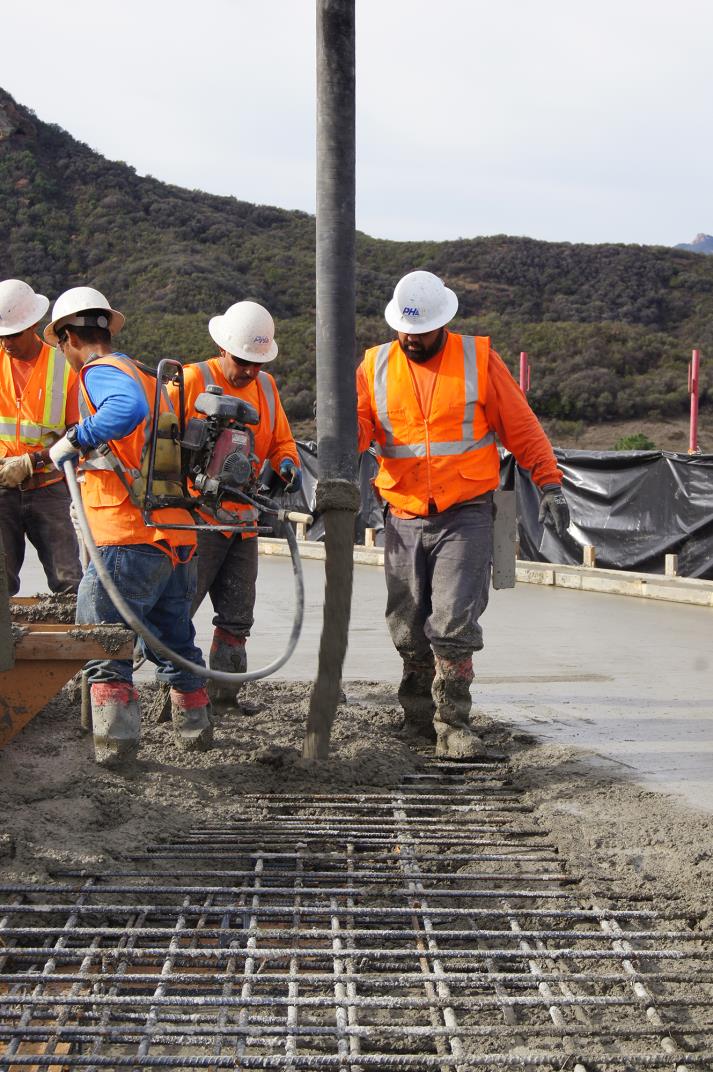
(434, 403)
(38, 398)
(153, 566)
(228, 562)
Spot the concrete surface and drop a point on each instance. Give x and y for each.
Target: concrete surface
(627, 679)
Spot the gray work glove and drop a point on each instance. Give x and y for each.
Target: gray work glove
(13, 471)
(553, 508)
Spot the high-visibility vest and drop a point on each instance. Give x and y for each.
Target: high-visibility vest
(267, 411)
(36, 419)
(448, 456)
(111, 471)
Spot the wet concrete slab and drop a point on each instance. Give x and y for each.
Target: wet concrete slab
(628, 680)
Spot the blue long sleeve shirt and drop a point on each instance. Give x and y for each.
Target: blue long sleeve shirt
(120, 406)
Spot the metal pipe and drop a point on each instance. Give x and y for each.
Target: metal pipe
(338, 495)
(693, 389)
(524, 372)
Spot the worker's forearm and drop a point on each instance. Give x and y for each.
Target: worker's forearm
(516, 426)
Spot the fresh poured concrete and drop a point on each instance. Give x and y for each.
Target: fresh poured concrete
(627, 679)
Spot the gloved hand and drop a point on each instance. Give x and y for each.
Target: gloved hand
(14, 470)
(553, 508)
(291, 474)
(63, 451)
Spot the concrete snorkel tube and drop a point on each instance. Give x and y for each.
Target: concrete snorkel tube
(157, 645)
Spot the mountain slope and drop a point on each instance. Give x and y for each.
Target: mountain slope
(609, 328)
(702, 243)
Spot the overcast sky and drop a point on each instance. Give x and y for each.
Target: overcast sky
(557, 119)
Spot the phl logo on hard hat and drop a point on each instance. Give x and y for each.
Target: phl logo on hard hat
(410, 310)
(261, 339)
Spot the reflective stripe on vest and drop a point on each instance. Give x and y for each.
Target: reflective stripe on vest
(53, 419)
(390, 449)
(264, 381)
(208, 377)
(266, 384)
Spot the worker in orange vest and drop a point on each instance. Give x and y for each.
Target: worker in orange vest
(433, 403)
(227, 561)
(152, 566)
(38, 398)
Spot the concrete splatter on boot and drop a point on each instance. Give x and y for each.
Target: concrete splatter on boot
(451, 694)
(415, 697)
(190, 715)
(227, 653)
(116, 722)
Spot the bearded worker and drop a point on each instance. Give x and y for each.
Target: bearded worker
(228, 561)
(433, 402)
(38, 399)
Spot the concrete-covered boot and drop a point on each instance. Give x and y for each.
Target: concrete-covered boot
(227, 653)
(190, 715)
(451, 693)
(116, 722)
(415, 697)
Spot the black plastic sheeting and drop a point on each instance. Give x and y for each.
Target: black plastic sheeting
(634, 507)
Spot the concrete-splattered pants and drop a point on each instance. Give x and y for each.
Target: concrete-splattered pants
(437, 577)
(227, 571)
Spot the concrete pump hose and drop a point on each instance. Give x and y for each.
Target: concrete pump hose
(152, 641)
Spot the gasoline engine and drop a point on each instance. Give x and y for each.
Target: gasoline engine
(201, 463)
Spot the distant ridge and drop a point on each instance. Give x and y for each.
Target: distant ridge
(702, 243)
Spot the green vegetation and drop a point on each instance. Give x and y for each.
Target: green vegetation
(608, 328)
(637, 441)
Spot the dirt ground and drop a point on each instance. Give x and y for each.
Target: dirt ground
(61, 810)
(665, 433)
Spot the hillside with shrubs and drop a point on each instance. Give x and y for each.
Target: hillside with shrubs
(609, 328)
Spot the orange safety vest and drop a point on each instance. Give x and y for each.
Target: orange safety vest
(110, 473)
(447, 456)
(36, 419)
(264, 396)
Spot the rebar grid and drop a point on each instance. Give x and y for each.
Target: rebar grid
(434, 927)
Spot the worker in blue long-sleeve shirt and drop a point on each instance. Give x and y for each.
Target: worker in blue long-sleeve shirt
(153, 566)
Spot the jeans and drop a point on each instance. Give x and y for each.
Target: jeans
(227, 570)
(42, 516)
(437, 578)
(160, 595)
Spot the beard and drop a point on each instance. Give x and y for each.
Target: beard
(416, 351)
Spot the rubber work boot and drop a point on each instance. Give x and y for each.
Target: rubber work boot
(416, 698)
(190, 715)
(116, 722)
(227, 652)
(451, 693)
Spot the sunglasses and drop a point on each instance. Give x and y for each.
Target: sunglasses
(242, 363)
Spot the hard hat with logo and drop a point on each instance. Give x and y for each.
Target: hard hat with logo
(246, 330)
(72, 307)
(421, 303)
(20, 307)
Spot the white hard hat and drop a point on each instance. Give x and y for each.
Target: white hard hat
(421, 303)
(246, 330)
(69, 307)
(20, 307)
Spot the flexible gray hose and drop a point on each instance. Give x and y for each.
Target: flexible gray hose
(152, 641)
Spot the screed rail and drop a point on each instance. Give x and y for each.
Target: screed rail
(433, 927)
